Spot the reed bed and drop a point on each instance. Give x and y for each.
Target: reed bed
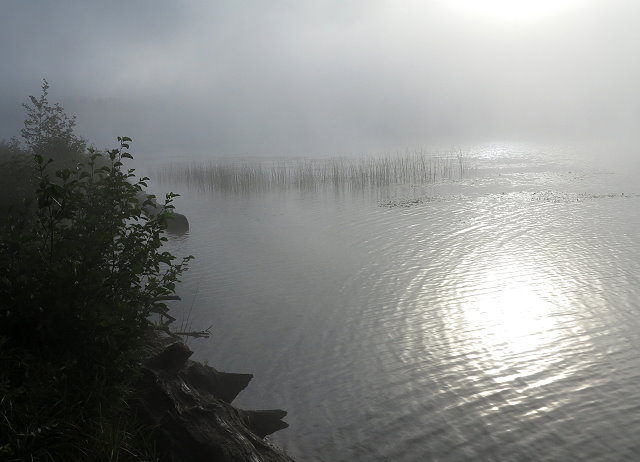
(240, 176)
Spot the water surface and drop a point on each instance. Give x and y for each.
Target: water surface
(492, 318)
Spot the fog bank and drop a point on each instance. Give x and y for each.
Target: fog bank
(321, 78)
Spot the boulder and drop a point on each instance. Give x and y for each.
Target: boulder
(177, 223)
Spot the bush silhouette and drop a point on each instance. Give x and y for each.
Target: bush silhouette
(81, 271)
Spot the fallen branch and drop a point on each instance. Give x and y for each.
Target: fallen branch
(196, 334)
(163, 298)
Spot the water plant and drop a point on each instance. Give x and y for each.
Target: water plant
(241, 175)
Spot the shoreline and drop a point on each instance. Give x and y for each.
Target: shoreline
(188, 405)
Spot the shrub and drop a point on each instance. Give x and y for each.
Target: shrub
(80, 277)
(16, 178)
(49, 131)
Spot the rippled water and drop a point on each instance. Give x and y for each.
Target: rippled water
(494, 318)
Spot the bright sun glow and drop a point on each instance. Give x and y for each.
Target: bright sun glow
(508, 320)
(512, 320)
(513, 9)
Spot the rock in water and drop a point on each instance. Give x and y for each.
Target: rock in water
(177, 223)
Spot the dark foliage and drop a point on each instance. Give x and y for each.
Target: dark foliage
(81, 268)
(48, 130)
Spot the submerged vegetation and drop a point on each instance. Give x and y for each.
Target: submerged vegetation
(230, 176)
(81, 273)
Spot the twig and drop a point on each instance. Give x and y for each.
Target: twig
(163, 298)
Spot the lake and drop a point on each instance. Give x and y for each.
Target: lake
(488, 317)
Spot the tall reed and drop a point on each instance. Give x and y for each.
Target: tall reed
(387, 170)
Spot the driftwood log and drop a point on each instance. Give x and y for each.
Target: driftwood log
(188, 406)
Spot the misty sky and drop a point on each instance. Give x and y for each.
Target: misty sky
(319, 77)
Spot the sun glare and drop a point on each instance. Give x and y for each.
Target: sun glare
(510, 318)
(511, 10)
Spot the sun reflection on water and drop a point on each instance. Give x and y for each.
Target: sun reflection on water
(508, 321)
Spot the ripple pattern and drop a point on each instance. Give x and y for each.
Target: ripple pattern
(490, 325)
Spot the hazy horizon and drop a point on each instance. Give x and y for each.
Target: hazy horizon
(321, 78)
(395, 308)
